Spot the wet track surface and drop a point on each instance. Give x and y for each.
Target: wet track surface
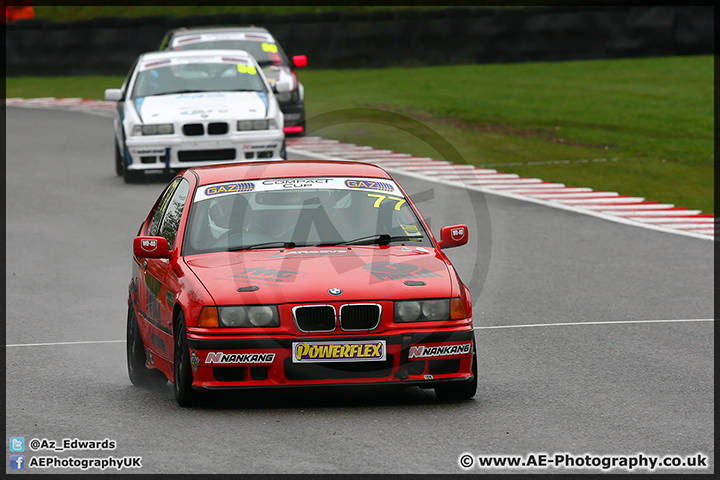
(607, 382)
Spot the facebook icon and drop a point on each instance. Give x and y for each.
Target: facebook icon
(17, 462)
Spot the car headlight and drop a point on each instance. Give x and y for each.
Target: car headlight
(268, 124)
(248, 316)
(432, 310)
(160, 129)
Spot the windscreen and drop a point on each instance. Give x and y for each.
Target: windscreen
(294, 212)
(197, 74)
(259, 45)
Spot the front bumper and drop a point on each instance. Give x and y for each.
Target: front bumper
(172, 152)
(408, 359)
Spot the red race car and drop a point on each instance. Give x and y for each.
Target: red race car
(280, 274)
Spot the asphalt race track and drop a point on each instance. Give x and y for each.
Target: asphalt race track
(595, 338)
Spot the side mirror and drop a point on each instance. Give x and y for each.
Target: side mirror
(453, 236)
(113, 94)
(282, 86)
(151, 247)
(300, 61)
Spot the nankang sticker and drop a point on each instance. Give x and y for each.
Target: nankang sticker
(322, 352)
(148, 151)
(245, 358)
(259, 147)
(421, 351)
(369, 185)
(229, 188)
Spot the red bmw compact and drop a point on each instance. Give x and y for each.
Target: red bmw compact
(302, 273)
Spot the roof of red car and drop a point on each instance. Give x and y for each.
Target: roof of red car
(286, 169)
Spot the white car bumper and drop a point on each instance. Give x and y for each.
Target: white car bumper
(153, 152)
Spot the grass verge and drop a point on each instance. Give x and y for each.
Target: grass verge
(641, 127)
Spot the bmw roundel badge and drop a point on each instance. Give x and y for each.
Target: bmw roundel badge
(335, 291)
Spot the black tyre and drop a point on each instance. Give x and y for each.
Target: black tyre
(283, 152)
(119, 160)
(460, 390)
(184, 393)
(138, 372)
(131, 176)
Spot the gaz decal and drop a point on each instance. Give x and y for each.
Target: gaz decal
(320, 352)
(245, 358)
(398, 201)
(369, 185)
(229, 188)
(421, 351)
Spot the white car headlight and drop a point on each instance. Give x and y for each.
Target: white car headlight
(160, 129)
(266, 124)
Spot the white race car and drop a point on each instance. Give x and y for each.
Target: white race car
(258, 42)
(186, 109)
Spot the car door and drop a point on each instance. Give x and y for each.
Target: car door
(157, 283)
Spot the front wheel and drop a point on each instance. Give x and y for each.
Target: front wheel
(131, 176)
(184, 393)
(119, 160)
(460, 390)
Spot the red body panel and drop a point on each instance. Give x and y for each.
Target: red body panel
(413, 353)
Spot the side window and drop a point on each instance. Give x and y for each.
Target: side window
(157, 214)
(171, 219)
